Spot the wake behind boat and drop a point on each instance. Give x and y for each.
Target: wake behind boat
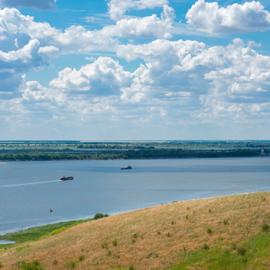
(67, 178)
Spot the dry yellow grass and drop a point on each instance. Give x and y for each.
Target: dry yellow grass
(150, 238)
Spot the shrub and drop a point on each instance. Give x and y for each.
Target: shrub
(265, 227)
(55, 262)
(225, 221)
(205, 246)
(104, 245)
(209, 231)
(114, 242)
(35, 265)
(71, 265)
(81, 258)
(109, 253)
(135, 235)
(241, 251)
(1, 265)
(100, 215)
(234, 247)
(131, 268)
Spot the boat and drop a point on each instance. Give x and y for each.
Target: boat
(67, 178)
(127, 168)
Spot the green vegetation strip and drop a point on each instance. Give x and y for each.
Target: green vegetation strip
(253, 254)
(31, 150)
(36, 233)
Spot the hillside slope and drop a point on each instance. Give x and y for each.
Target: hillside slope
(154, 238)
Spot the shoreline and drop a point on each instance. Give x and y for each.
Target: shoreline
(116, 213)
(5, 161)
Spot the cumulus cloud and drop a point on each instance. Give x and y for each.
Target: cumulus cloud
(151, 26)
(104, 76)
(212, 18)
(212, 81)
(16, 29)
(176, 78)
(117, 8)
(43, 4)
(168, 78)
(13, 64)
(27, 44)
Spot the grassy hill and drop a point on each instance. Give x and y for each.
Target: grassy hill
(218, 233)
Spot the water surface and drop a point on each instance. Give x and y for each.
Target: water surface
(28, 190)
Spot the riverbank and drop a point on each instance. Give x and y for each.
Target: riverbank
(76, 150)
(213, 233)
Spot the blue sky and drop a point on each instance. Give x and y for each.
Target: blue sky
(134, 69)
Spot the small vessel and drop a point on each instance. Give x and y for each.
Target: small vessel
(127, 168)
(67, 178)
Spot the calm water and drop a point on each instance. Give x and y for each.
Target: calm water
(28, 190)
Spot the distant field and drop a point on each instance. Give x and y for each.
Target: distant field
(57, 150)
(219, 233)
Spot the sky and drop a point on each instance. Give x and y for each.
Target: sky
(134, 69)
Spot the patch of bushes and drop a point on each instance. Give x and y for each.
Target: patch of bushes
(81, 258)
(234, 246)
(104, 245)
(205, 247)
(35, 265)
(100, 215)
(71, 265)
(241, 251)
(265, 227)
(226, 222)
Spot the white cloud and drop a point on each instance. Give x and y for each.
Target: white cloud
(43, 4)
(26, 44)
(212, 18)
(13, 64)
(34, 91)
(181, 79)
(104, 76)
(117, 8)
(16, 26)
(216, 81)
(16, 29)
(150, 26)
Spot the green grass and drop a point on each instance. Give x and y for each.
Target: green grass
(35, 265)
(256, 255)
(37, 233)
